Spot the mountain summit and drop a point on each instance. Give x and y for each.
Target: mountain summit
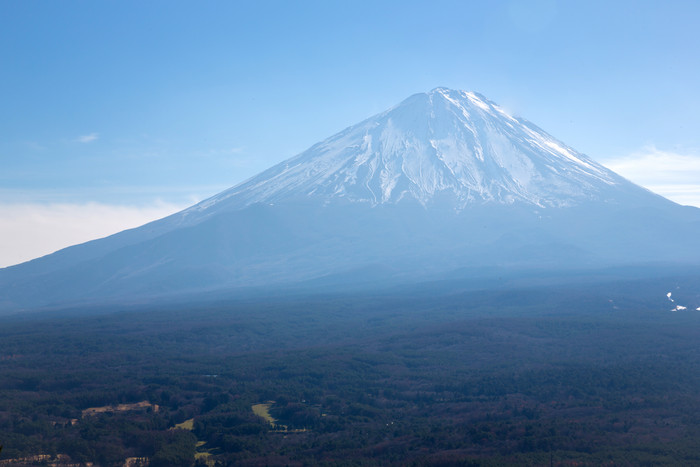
(443, 183)
(442, 145)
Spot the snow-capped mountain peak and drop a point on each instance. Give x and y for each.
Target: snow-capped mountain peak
(452, 146)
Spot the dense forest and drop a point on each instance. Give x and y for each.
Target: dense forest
(594, 374)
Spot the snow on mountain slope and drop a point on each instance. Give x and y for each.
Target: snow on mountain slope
(444, 144)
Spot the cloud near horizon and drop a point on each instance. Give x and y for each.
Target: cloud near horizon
(31, 230)
(673, 175)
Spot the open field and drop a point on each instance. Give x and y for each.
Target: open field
(186, 425)
(263, 410)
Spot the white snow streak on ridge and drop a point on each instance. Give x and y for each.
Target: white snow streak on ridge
(478, 102)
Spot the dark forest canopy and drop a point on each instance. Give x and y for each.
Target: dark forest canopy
(435, 376)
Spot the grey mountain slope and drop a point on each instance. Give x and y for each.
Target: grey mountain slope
(443, 181)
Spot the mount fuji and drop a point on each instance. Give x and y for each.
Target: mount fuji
(441, 144)
(445, 184)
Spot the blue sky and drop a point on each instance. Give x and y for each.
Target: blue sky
(115, 113)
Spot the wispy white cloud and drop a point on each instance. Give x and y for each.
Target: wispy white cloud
(34, 146)
(87, 138)
(30, 230)
(671, 174)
